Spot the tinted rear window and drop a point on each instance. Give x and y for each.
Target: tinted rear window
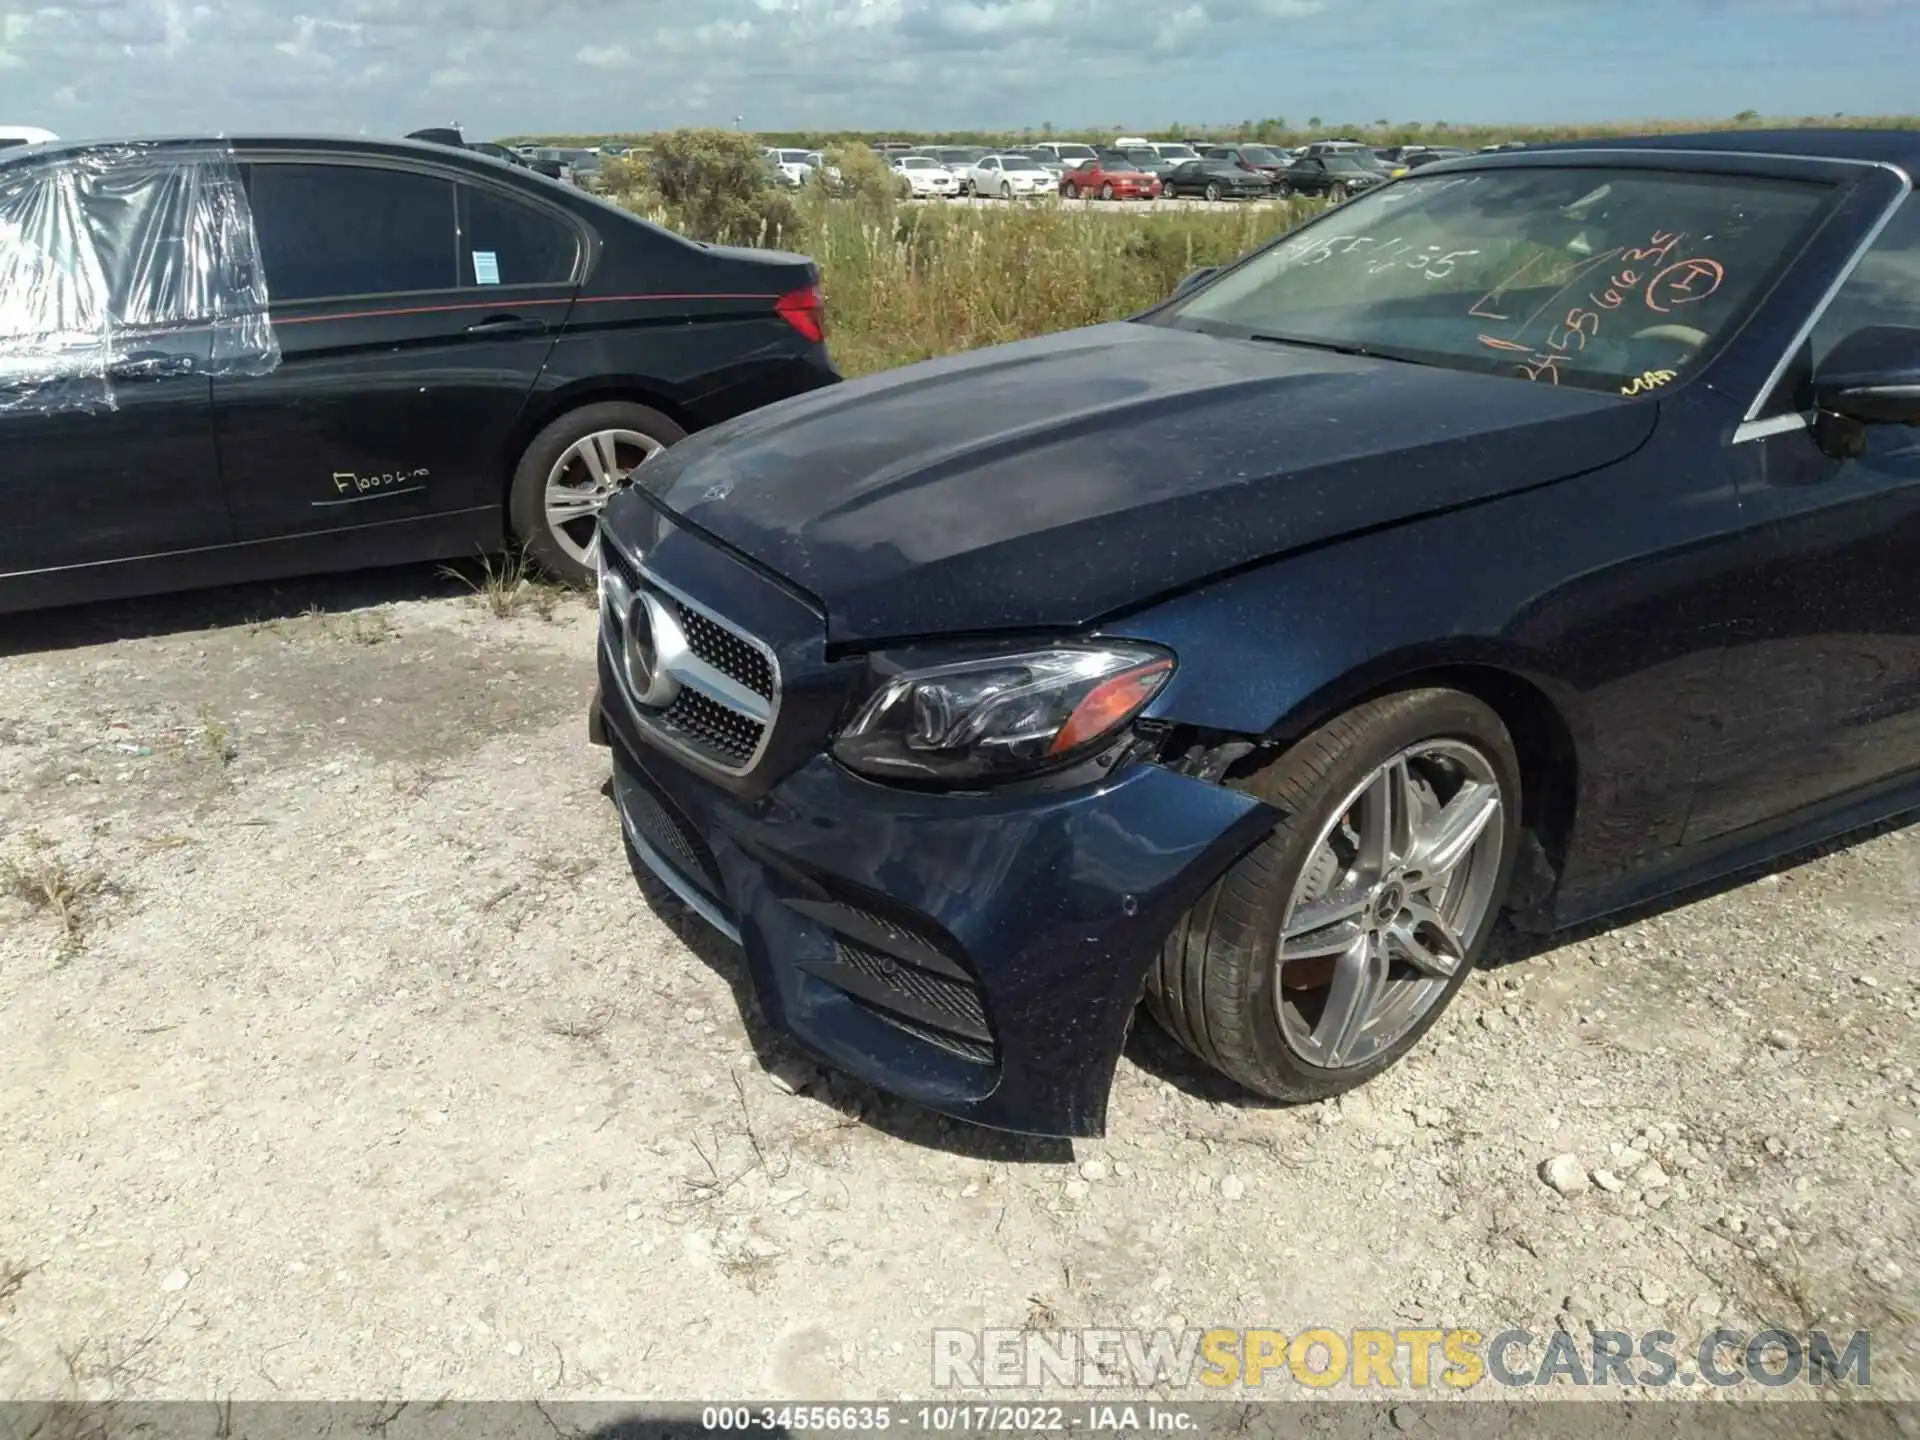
(509, 242)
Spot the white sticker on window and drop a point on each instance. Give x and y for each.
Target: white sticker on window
(486, 267)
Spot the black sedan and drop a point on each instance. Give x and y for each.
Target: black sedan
(1334, 176)
(1265, 159)
(233, 360)
(1540, 532)
(1215, 180)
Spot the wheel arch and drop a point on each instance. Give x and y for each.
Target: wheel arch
(1543, 735)
(542, 410)
(1540, 715)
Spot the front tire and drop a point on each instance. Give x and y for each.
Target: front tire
(570, 471)
(1212, 193)
(1106, 192)
(1006, 190)
(1323, 955)
(1070, 190)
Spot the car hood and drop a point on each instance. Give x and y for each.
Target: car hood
(1051, 482)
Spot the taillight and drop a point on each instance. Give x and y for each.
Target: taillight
(805, 311)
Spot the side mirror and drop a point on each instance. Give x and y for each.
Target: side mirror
(1870, 378)
(1197, 277)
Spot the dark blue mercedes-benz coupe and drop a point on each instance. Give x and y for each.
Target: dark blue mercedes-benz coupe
(1537, 532)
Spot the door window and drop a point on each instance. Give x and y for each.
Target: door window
(1884, 288)
(508, 242)
(328, 231)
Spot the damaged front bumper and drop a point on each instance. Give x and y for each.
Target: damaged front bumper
(976, 953)
(979, 954)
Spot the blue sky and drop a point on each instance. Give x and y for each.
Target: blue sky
(88, 67)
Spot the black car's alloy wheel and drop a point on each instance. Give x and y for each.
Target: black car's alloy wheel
(1213, 191)
(570, 471)
(1283, 191)
(1338, 192)
(1326, 952)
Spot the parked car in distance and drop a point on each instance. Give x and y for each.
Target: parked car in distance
(1380, 587)
(1417, 158)
(1006, 176)
(12, 137)
(1362, 154)
(573, 165)
(1263, 159)
(958, 159)
(405, 352)
(1151, 161)
(925, 178)
(1216, 179)
(1067, 154)
(1335, 176)
(1175, 152)
(1110, 175)
(797, 165)
(1047, 163)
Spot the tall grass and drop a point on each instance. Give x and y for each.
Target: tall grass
(930, 280)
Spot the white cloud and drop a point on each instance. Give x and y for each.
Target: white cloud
(515, 65)
(1015, 15)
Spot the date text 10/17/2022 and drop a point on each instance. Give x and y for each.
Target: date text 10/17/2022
(1095, 1419)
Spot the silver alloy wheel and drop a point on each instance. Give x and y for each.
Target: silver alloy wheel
(581, 482)
(1394, 895)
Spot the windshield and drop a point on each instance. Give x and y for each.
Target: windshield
(1603, 279)
(1075, 152)
(1179, 152)
(793, 157)
(1260, 155)
(919, 162)
(1348, 163)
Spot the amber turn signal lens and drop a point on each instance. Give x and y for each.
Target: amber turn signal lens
(1109, 703)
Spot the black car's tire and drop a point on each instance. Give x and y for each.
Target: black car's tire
(1212, 192)
(1338, 192)
(1283, 191)
(562, 550)
(1216, 986)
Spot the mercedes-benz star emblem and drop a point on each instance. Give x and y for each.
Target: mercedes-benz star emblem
(653, 645)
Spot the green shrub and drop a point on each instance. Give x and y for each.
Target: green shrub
(715, 185)
(866, 180)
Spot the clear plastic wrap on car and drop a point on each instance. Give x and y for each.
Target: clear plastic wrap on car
(126, 261)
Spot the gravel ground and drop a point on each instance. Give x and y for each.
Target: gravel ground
(344, 1058)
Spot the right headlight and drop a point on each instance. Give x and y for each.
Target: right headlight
(999, 716)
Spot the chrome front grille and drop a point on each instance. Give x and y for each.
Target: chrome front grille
(694, 680)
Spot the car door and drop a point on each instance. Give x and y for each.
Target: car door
(1308, 176)
(102, 467)
(1820, 694)
(986, 175)
(415, 308)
